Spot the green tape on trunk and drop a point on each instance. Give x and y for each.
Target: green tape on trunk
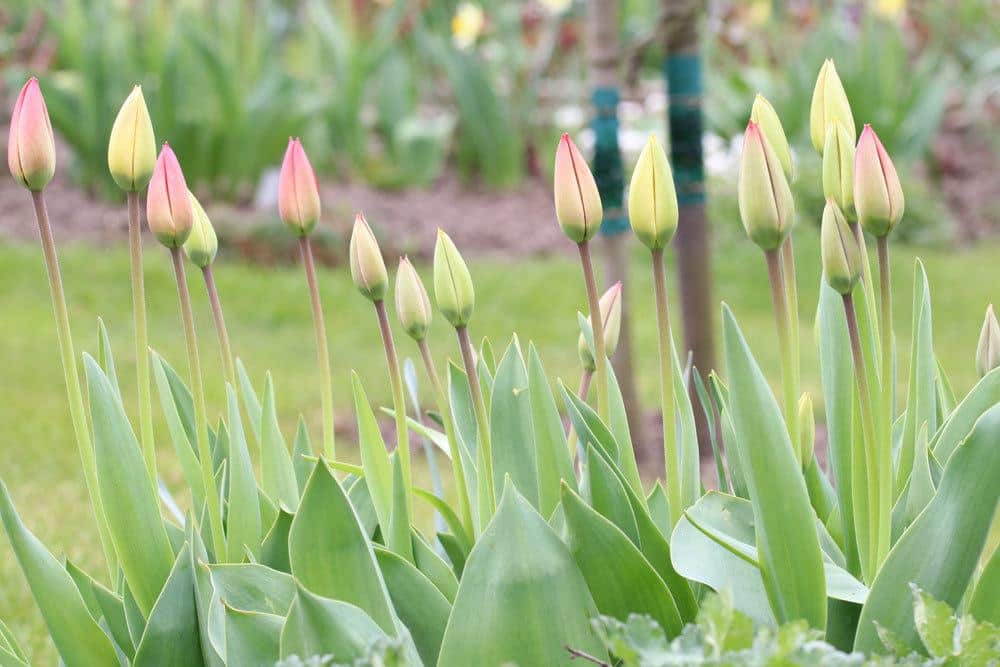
(683, 74)
(607, 160)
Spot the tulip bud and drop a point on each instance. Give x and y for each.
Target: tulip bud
(412, 305)
(652, 200)
(31, 148)
(453, 290)
(838, 166)
(578, 203)
(132, 147)
(839, 250)
(878, 195)
(807, 429)
(988, 350)
(168, 203)
(202, 244)
(298, 190)
(765, 199)
(829, 105)
(767, 120)
(611, 318)
(367, 265)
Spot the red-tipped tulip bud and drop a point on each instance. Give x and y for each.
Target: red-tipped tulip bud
(298, 191)
(839, 249)
(838, 166)
(202, 244)
(878, 195)
(765, 199)
(31, 148)
(168, 203)
(829, 105)
(132, 146)
(807, 429)
(611, 319)
(578, 203)
(367, 265)
(652, 200)
(412, 304)
(988, 350)
(767, 120)
(453, 290)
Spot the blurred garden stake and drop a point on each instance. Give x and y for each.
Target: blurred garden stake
(131, 158)
(299, 208)
(988, 350)
(31, 157)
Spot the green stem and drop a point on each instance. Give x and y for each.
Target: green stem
(200, 413)
(220, 326)
(322, 349)
(600, 356)
(866, 280)
(888, 380)
(444, 409)
(792, 293)
(782, 319)
(141, 335)
(398, 398)
(482, 420)
(77, 410)
(671, 456)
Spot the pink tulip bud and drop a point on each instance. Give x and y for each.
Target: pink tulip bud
(878, 195)
(298, 191)
(578, 203)
(31, 149)
(168, 204)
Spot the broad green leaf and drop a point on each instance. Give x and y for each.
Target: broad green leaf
(456, 556)
(434, 567)
(590, 430)
(127, 493)
(374, 457)
(919, 488)
(397, 531)
(551, 450)
(985, 602)
(274, 547)
(618, 425)
(619, 577)
(246, 587)
(203, 593)
(790, 557)
(419, 604)
(460, 400)
(250, 401)
(325, 531)
(252, 639)
(243, 522)
(361, 501)
(940, 550)
(659, 507)
(181, 396)
(277, 474)
(76, 635)
(321, 626)
(521, 599)
(104, 605)
(171, 634)
(956, 428)
(301, 449)
(935, 623)
(450, 518)
(708, 410)
(689, 464)
(607, 495)
(513, 442)
(178, 431)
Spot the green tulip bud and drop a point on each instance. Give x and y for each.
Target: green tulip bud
(132, 147)
(367, 265)
(807, 429)
(412, 305)
(988, 350)
(839, 249)
(201, 244)
(765, 200)
(878, 195)
(611, 319)
(578, 203)
(453, 289)
(838, 166)
(767, 119)
(652, 200)
(829, 105)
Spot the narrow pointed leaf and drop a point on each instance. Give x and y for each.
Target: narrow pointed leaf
(374, 457)
(171, 634)
(277, 473)
(513, 441)
(420, 605)
(552, 458)
(250, 401)
(252, 639)
(319, 626)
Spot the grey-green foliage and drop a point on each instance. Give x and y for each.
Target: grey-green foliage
(381, 653)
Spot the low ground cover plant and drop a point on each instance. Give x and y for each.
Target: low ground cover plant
(551, 548)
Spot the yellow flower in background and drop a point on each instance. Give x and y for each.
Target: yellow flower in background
(759, 12)
(467, 24)
(888, 9)
(556, 6)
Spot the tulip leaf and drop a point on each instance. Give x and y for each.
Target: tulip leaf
(374, 457)
(592, 431)
(553, 463)
(450, 518)
(397, 531)
(434, 567)
(420, 605)
(104, 605)
(276, 470)
(9, 643)
(689, 464)
(321, 626)
(984, 604)
(171, 634)
(246, 587)
(301, 449)
(274, 547)
(178, 430)
(618, 425)
(250, 401)
(984, 395)
(253, 639)
(607, 495)
(243, 524)
(513, 441)
(106, 357)
(463, 415)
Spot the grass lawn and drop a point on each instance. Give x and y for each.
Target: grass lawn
(268, 315)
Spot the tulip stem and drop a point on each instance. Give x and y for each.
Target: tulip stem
(596, 326)
(77, 410)
(792, 293)
(444, 408)
(671, 456)
(220, 326)
(398, 398)
(782, 323)
(482, 421)
(200, 413)
(322, 349)
(141, 335)
(885, 321)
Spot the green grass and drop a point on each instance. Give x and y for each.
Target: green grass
(268, 316)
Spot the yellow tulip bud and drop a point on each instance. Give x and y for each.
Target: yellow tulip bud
(988, 350)
(611, 318)
(838, 166)
(578, 203)
(878, 195)
(829, 105)
(412, 305)
(767, 119)
(367, 265)
(132, 147)
(652, 199)
(202, 244)
(765, 200)
(839, 249)
(453, 289)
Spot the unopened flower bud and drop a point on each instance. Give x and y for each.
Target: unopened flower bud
(412, 304)
(31, 148)
(367, 265)
(839, 249)
(988, 350)
(652, 200)
(767, 120)
(611, 319)
(202, 244)
(578, 203)
(298, 190)
(765, 200)
(132, 146)
(453, 290)
(807, 429)
(829, 105)
(168, 203)
(878, 195)
(838, 166)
